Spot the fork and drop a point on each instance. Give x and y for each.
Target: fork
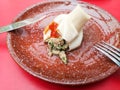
(110, 51)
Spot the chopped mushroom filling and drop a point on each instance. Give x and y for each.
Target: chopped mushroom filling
(58, 46)
(65, 32)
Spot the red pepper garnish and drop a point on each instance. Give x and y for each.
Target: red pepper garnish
(53, 27)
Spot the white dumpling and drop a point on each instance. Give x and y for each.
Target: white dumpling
(78, 17)
(77, 41)
(60, 18)
(70, 26)
(67, 30)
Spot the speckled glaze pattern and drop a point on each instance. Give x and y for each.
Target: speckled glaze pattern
(86, 64)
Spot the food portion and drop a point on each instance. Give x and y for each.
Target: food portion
(65, 32)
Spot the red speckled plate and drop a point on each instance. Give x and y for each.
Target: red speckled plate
(86, 64)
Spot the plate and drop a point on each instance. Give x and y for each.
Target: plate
(86, 64)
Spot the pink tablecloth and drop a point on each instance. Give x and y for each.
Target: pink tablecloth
(12, 77)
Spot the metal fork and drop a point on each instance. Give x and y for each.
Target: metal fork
(110, 51)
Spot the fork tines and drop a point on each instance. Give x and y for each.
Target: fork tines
(110, 51)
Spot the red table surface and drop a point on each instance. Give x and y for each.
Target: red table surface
(12, 77)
